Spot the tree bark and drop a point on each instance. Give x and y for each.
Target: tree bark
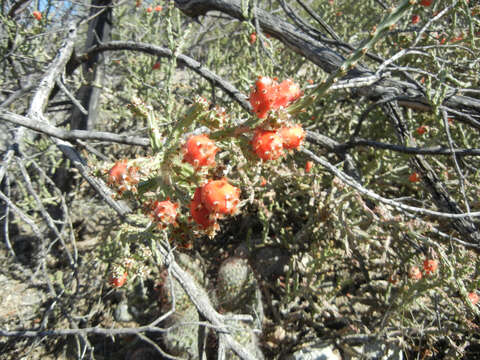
(99, 31)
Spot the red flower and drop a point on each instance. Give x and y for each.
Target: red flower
(37, 15)
(123, 177)
(264, 96)
(149, 10)
(199, 151)
(287, 92)
(457, 38)
(415, 19)
(220, 197)
(268, 145)
(156, 66)
(253, 37)
(430, 266)
(118, 280)
(308, 166)
(164, 213)
(474, 298)
(292, 136)
(199, 212)
(118, 172)
(422, 130)
(414, 177)
(426, 2)
(269, 95)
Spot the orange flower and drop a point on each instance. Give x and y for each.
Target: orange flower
(474, 298)
(149, 10)
(118, 280)
(308, 166)
(422, 130)
(253, 37)
(263, 181)
(267, 144)
(430, 266)
(158, 8)
(37, 15)
(414, 177)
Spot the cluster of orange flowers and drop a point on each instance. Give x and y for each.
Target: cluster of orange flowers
(217, 198)
(267, 98)
(157, 8)
(429, 267)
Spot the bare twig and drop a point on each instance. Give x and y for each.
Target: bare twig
(63, 134)
(354, 184)
(181, 60)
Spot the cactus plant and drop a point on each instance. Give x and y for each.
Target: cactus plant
(181, 339)
(235, 283)
(244, 334)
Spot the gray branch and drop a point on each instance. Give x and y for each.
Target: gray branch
(181, 60)
(72, 135)
(323, 56)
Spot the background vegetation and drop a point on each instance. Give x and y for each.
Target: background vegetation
(319, 259)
